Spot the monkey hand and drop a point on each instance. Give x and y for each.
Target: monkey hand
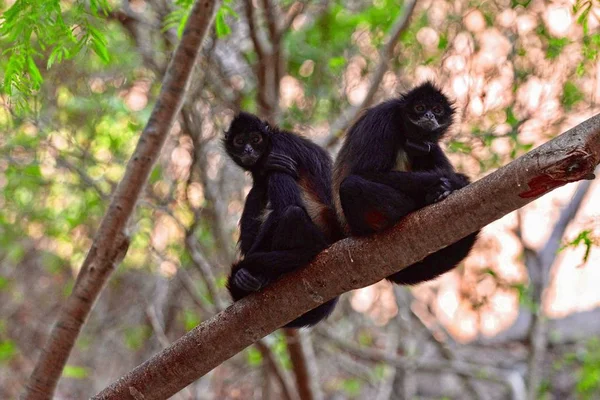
(248, 282)
(281, 163)
(446, 184)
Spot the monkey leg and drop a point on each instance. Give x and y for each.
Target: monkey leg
(435, 264)
(370, 207)
(295, 230)
(296, 241)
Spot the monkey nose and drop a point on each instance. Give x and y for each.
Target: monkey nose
(429, 115)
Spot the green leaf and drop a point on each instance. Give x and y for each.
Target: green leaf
(73, 371)
(190, 319)
(352, 386)
(253, 357)
(136, 336)
(220, 25)
(3, 282)
(8, 349)
(584, 238)
(571, 95)
(555, 47)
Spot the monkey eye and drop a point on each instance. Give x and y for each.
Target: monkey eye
(419, 108)
(438, 110)
(256, 139)
(238, 141)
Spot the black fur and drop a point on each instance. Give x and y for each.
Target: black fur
(285, 168)
(374, 193)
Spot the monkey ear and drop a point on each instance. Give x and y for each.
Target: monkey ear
(226, 134)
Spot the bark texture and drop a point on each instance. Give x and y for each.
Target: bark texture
(355, 263)
(111, 241)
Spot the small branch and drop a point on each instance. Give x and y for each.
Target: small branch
(545, 259)
(386, 387)
(374, 355)
(304, 364)
(206, 270)
(111, 242)
(190, 288)
(569, 157)
(85, 178)
(287, 389)
(344, 120)
(467, 370)
(294, 10)
(259, 46)
(271, 18)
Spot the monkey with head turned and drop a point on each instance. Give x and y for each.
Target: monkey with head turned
(288, 216)
(391, 164)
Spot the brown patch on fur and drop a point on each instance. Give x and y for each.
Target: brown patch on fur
(340, 172)
(314, 206)
(375, 220)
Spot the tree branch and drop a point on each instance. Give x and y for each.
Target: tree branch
(545, 260)
(303, 364)
(111, 243)
(461, 368)
(568, 158)
(287, 389)
(344, 120)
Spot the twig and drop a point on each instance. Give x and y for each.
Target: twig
(259, 45)
(545, 259)
(294, 10)
(280, 374)
(190, 288)
(304, 364)
(386, 387)
(344, 120)
(481, 372)
(206, 270)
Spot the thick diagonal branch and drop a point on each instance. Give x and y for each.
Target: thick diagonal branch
(355, 263)
(111, 243)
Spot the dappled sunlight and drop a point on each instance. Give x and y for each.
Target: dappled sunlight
(377, 301)
(558, 19)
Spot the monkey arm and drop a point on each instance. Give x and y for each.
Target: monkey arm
(277, 162)
(283, 192)
(412, 183)
(250, 222)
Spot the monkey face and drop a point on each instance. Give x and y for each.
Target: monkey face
(248, 147)
(247, 140)
(428, 110)
(429, 117)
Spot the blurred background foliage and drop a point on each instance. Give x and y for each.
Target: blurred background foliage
(79, 79)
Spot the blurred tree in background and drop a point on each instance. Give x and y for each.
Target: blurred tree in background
(519, 319)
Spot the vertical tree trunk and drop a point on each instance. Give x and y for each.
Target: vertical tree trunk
(111, 242)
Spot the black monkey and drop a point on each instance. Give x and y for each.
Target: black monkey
(391, 164)
(289, 216)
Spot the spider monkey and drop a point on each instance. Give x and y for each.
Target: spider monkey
(288, 216)
(391, 165)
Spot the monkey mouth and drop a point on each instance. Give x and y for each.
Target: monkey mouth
(248, 159)
(428, 124)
